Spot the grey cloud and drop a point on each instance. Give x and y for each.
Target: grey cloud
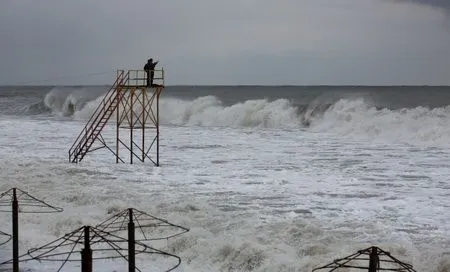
(441, 4)
(227, 42)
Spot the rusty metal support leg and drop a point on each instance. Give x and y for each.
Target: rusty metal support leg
(130, 94)
(86, 252)
(131, 243)
(144, 119)
(158, 90)
(15, 230)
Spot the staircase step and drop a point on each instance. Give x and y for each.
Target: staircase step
(97, 122)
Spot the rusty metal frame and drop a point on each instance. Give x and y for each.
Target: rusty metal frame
(136, 115)
(21, 202)
(7, 238)
(376, 259)
(87, 244)
(137, 108)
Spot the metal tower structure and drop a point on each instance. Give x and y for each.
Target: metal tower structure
(21, 202)
(135, 106)
(88, 244)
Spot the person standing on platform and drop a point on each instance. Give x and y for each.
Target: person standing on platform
(150, 70)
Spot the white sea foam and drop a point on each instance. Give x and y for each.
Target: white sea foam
(62, 103)
(355, 118)
(254, 199)
(262, 185)
(413, 126)
(209, 111)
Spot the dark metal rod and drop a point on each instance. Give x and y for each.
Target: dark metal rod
(86, 252)
(374, 261)
(144, 106)
(15, 229)
(131, 125)
(118, 93)
(157, 125)
(131, 243)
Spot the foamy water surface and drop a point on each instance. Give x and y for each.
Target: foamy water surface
(254, 199)
(262, 185)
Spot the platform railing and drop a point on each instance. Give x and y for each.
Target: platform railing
(138, 78)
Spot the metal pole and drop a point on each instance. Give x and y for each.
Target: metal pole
(131, 243)
(131, 125)
(15, 226)
(144, 108)
(117, 123)
(86, 253)
(374, 261)
(158, 89)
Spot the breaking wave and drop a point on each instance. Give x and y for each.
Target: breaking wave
(61, 102)
(358, 118)
(64, 103)
(349, 116)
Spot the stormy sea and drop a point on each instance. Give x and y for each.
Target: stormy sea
(266, 178)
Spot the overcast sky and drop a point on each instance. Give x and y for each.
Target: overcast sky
(287, 42)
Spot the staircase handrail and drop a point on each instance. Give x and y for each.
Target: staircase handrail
(84, 132)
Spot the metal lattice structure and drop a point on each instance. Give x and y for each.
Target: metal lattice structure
(17, 201)
(87, 244)
(372, 259)
(150, 228)
(26, 202)
(136, 107)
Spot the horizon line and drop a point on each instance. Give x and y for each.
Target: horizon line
(233, 85)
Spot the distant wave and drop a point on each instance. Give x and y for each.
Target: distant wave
(209, 111)
(357, 118)
(63, 103)
(353, 117)
(37, 108)
(350, 116)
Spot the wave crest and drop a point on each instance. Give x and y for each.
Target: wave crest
(353, 117)
(209, 111)
(357, 118)
(64, 103)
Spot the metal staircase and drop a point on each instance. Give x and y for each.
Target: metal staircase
(98, 120)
